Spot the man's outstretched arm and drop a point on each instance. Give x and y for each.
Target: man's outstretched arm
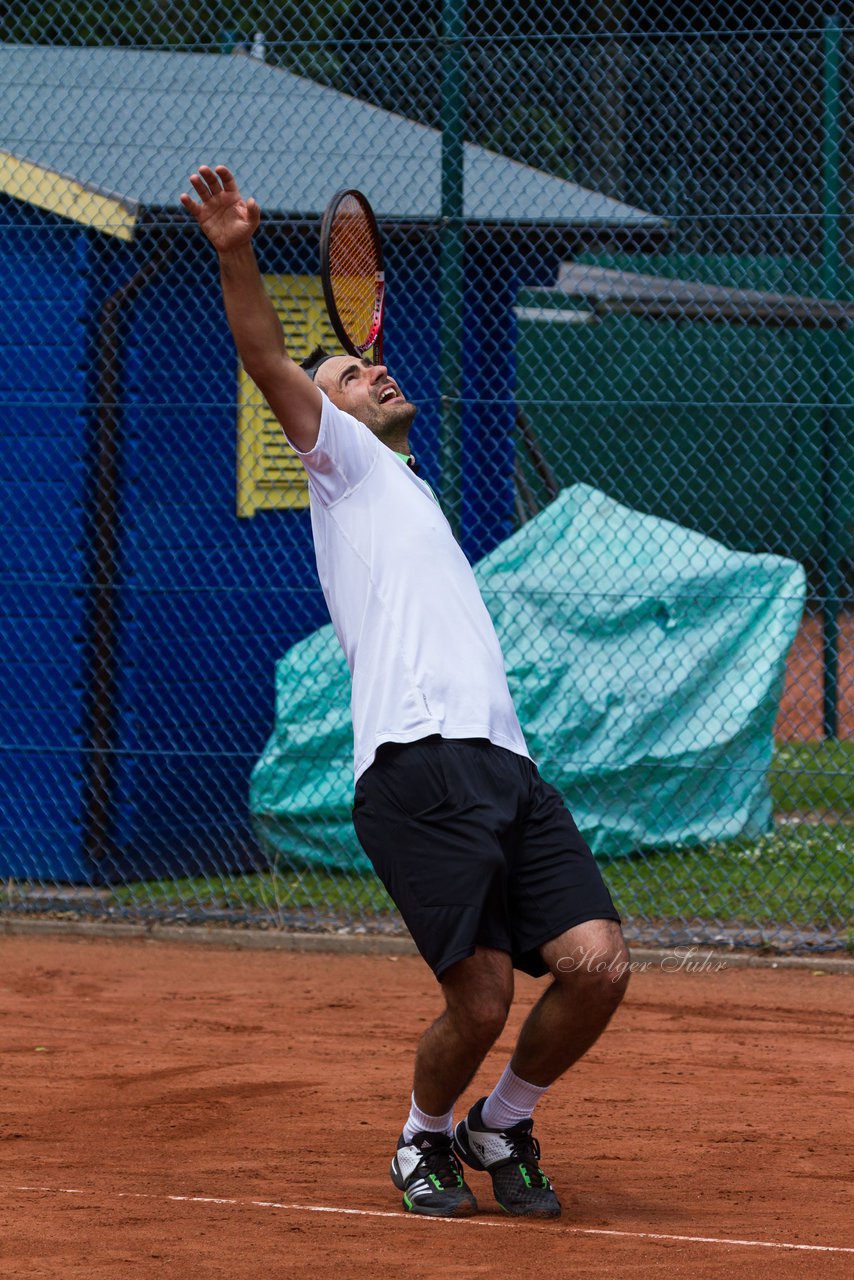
(230, 222)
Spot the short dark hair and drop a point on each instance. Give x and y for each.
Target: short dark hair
(314, 360)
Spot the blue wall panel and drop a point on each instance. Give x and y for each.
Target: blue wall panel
(43, 292)
(206, 602)
(209, 601)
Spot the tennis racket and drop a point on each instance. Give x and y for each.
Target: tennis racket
(351, 268)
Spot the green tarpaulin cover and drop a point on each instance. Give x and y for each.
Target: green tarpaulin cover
(646, 662)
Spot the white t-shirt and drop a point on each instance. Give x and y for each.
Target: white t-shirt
(404, 602)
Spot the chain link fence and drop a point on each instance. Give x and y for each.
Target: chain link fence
(621, 276)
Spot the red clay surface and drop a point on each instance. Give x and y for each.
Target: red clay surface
(799, 717)
(133, 1072)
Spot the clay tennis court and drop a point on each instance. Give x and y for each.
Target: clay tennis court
(213, 1112)
(799, 717)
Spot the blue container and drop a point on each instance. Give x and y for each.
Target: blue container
(201, 602)
(43, 467)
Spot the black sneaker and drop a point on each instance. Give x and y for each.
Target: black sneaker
(511, 1156)
(431, 1177)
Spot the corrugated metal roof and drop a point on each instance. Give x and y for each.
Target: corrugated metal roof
(612, 292)
(134, 124)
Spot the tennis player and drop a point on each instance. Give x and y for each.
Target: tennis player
(478, 852)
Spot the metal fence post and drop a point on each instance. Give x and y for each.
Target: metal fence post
(831, 523)
(451, 257)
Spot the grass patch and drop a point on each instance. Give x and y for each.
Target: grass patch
(798, 875)
(271, 893)
(813, 776)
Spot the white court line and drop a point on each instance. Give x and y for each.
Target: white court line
(472, 1222)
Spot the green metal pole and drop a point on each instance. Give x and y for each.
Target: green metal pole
(831, 531)
(451, 257)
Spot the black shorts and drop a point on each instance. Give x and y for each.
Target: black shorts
(475, 849)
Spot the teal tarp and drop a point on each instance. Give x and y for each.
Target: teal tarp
(646, 662)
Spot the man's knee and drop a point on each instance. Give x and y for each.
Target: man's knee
(482, 1020)
(478, 993)
(591, 961)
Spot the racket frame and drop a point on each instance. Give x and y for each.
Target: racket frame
(375, 342)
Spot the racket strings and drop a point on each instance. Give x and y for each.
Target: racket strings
(354, 272)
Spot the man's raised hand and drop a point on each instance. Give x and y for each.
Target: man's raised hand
(226, 218)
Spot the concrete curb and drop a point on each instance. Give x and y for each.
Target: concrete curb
(204, 935)
(680, 958)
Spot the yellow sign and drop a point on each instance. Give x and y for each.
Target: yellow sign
(270, 477)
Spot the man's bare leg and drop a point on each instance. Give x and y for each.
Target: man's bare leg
(478, 992)
(590, 968)
(589, 965)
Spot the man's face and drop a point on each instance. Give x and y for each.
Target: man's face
(367, 392)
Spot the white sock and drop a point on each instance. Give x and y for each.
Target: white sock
(420, 1122)
(511, 1100)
